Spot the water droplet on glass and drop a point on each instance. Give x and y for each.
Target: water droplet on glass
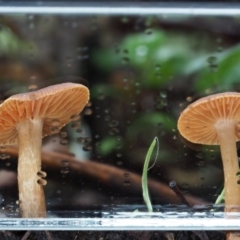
(75, 117)
(126, 175)
(88, 111)
(55, 123)
(163, 94)
(201, 164)
(65, 170)
(2, 148)
(212, 61)
(119, 155)
(141, 50)
(32, 87)
(42, 182)
(63, 134)
(64, 141)
(4, 156)
(125, 60)
(76, 125)
(87, 148)
(81, 140)
(79, 130)
(212, 157)
(200, 155)
(157, 67)
(162, 103)
(148, 31)
(18, 210)
(88, 140)
(9, 207)
(113, 123)
(119, 163)
(126, 183)
(113, 131)
(189, 99)
(42, 174)
(220, 49)
(55, 130)
(64, 163)
(117, 50)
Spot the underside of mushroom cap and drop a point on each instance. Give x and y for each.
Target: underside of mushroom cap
(55, 105)
(197, 121)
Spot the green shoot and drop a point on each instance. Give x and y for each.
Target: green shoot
(145, 172)
(220, 197)
(222, 194)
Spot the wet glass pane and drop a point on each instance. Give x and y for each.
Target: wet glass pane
(118, 160)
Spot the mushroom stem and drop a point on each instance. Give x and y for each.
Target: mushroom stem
(226, 134)
(31, 194)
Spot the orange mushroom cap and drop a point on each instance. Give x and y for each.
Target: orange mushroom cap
(55, 105)
(197, 121)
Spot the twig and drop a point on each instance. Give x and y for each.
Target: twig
(48, 235)
(26, 235)
(201, 234)
(174, 187)
(75, 237)
(169, 236)
(109, 174)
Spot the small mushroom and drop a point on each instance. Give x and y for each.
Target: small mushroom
(215, 120)
(26, 118)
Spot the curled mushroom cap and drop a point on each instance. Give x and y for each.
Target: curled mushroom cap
(197, 121)
(55, 105)
(24, 119)
(215, 120)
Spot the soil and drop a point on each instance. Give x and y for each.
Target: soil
(112, 235)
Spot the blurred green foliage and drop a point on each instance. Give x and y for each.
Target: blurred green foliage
(194, 62)
(10, 43)
(107, 145)
(143, 121)
(157, 56)
(160, 57)
(224, 71)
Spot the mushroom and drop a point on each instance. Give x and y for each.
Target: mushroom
(215, 120)
(27, 117)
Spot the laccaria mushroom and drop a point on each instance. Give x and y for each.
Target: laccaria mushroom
(26, 118)
(215, 120)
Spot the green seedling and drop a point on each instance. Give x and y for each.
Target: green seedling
(220, 198)
(145, 173)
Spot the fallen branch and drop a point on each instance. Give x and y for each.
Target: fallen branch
(109, 174)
